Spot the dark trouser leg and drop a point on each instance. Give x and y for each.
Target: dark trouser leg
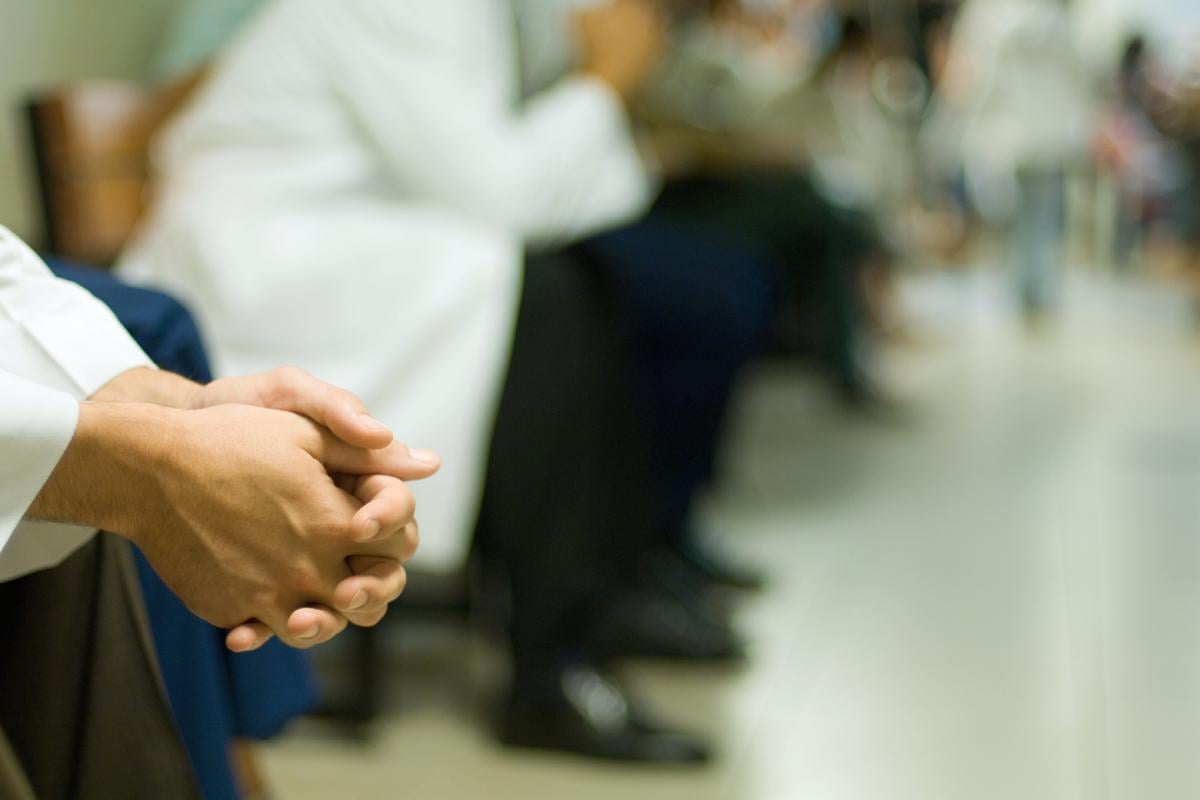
(563, 508)
(565, 511)
(697, 310)
(818, 249)
(1038, 231)
(81, 703)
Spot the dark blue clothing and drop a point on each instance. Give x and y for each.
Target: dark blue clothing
(214, 694)
(816, 248)
(697, 309)
(720, 271)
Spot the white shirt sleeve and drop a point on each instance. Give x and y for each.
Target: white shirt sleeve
(432, 83)
(36, 425)
(58, 345)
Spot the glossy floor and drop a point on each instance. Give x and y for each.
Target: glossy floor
(989, 591)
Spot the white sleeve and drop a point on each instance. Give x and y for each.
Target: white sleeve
(431, 83)
(54, 332)
(36, 425)
(58, 345)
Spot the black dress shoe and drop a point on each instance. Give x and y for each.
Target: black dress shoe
(584, 711)
(665, 569)
(653, 624)
(718, 566)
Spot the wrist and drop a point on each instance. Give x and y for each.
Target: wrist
(149, 385)
(115, 470)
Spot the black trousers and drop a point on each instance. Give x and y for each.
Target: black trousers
(566, 509)
(696, 309)
(82, 712)
(818, 249)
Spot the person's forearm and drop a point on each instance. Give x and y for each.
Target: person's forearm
(145, 385)
(112, 470)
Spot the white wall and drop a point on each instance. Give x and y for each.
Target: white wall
(43, 42)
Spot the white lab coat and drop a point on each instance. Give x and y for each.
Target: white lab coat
(1023, 91)
(352, 193)
(58, 345)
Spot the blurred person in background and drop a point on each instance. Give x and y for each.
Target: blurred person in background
(738, 254)
(1018, 81)
(1151, 142)
(698, 354)
(367, 175)
(724, 119)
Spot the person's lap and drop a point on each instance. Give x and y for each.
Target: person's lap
(81, 707)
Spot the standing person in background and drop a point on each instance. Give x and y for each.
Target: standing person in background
(376, 159)
(1017, 77)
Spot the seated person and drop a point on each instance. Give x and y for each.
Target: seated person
(689, 376)
(232, 498)
(729, 114)
(739, 253)
(363, 175)
(220, 700)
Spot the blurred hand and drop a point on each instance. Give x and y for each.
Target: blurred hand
(622, 42)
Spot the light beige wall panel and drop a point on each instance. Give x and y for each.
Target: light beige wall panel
(43, 42)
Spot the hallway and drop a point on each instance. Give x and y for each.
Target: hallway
(988, 592)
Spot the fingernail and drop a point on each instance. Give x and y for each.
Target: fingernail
(367, 421)
(370, 530)
(425, 456)
(358, 601)
(311, 633)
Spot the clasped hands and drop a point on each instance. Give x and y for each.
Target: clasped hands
(271, 504)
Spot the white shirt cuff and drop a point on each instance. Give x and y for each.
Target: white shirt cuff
(38, 425)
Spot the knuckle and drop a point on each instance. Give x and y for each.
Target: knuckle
(412, 540)
(262, 603)
(330, 524)
(406, 503)
(304, 579)
(290, 373)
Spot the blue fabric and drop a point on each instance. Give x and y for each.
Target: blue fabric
(699, 307)
(214, 694)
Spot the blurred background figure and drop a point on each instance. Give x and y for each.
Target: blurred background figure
(1018, 79)
(371, 212)
(722, 117)
(1148, 142)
